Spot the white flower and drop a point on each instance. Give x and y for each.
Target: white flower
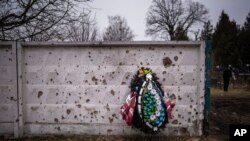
(150, 86)
(157, 113)
(158, 108)
(155, 129)
(158, 102)
(152, 117)
(149, 76)
(156, 97)
(153, 91)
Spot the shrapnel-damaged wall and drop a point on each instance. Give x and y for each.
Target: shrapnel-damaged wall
(78, 88)
(8, 89)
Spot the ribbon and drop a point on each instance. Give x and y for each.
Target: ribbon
(169, 106)
(127, 109)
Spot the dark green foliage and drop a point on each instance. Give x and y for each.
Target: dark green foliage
(181, 34)
(207, 31)
(225, 41)
(244, 41)
(136, 82)
(231, 43)
(155, 79)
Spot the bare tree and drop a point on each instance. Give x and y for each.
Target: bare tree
(36, 19)
(83, 30)
(166, 16)
(196, 34)
(118, 30)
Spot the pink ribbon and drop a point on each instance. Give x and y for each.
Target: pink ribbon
(127, 109)
(169, 105)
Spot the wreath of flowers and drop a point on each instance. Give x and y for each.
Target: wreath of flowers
(145, 107)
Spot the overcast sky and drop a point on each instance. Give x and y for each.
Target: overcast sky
(134, 11)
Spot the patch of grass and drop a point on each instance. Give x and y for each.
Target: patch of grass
(230, 92)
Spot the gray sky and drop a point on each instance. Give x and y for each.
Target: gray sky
(134, 11)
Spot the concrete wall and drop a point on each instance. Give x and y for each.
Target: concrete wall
(8, 89)
(78, 88)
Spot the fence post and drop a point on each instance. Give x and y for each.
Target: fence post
(208, 65)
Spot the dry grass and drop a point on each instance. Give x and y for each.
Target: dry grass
(230, 92)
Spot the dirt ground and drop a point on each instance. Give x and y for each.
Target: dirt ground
(232, 107)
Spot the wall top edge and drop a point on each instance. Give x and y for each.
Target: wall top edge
(110, 44)
(7, 43)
